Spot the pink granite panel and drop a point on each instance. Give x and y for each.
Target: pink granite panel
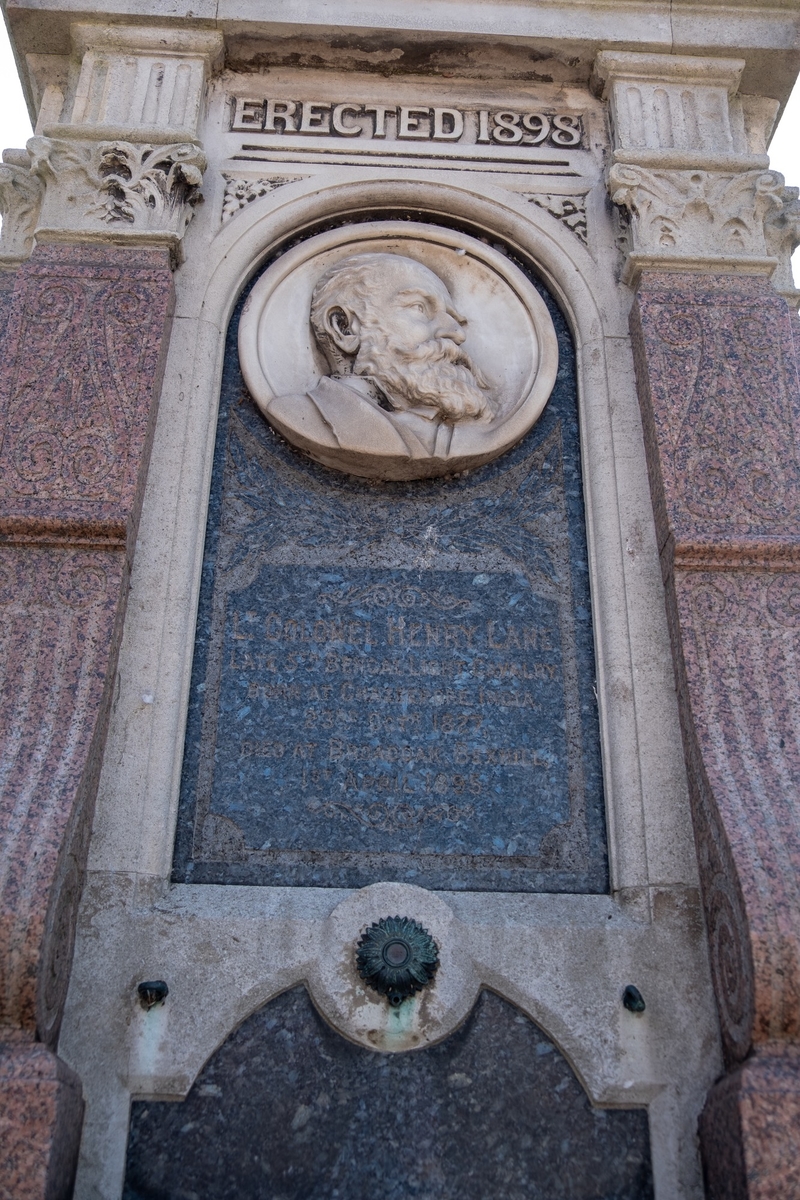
(720, 396)
(82, 364)
(58, 612)
(41, 1110)
(740, 641)
(749, 1129)
(717, 370)
(79, 384)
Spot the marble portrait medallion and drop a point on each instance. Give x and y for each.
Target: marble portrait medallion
(398, 350)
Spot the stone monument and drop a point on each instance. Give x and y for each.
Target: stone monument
(398, 502)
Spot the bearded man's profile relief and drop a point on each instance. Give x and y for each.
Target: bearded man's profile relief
(400, 384)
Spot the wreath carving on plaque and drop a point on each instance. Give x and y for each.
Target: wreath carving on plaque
(398, 350)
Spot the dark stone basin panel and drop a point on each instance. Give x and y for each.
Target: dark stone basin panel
(288, 1110)
(394, 681)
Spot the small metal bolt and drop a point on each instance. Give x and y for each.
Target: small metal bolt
(633, 999)
(152, 992)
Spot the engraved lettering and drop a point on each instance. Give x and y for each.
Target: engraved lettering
(448, 124)
(506, 127)
(380, 113)
(248, 115)
(437, 123)
(537, 124)
(409, 126)
(338, 120)
(567, 131)
(283, 111)
(316, 117)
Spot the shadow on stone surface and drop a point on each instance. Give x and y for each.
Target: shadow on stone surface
(288, 1110)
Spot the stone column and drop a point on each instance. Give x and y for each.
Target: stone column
(716, 347)
(94, 213)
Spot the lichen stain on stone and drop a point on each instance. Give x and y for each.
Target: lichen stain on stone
(384, 56)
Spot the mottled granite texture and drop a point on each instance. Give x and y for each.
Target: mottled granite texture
(41, 1110)
(751, 1119)
(287, 1108)
(79, 384)
(718, 380)
(409, 667)
(82, 359)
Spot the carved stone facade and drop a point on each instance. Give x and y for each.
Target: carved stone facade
(689, 165)
(239, 192)
(122, 157)
(519, 180)
(697, 215)
(147, 191)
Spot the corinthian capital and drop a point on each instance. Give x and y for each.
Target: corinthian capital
(20, 200)
(120, 189)
(689, 163)
(697, 220)
(782, 229)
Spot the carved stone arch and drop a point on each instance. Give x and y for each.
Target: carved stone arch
(214, 283)
(540, 972)
(301, 207)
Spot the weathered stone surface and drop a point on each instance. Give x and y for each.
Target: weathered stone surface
(41, 1110)
(436, 353)
(749, 1129)
(394, 681)
(287, 1107)
(82, 360)
(58, 616)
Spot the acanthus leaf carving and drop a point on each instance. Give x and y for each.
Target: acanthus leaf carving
(782, 230)
(152, 186)
(697, 215)
(20, 200)
(239, 191)
(569, 210)
(94, 187)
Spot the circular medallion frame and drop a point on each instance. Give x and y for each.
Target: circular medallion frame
(508, 335)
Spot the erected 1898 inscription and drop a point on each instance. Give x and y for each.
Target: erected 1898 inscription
(394, 680)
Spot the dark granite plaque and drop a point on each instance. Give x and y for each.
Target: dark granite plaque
(394, 680)
(288, 1110)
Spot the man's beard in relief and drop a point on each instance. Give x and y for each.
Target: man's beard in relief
(437, 374)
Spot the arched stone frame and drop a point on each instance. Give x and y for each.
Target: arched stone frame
(572, 955)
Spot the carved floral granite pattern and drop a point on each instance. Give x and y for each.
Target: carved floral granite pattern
(724, 461)
(78, 388)
(82, 354)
